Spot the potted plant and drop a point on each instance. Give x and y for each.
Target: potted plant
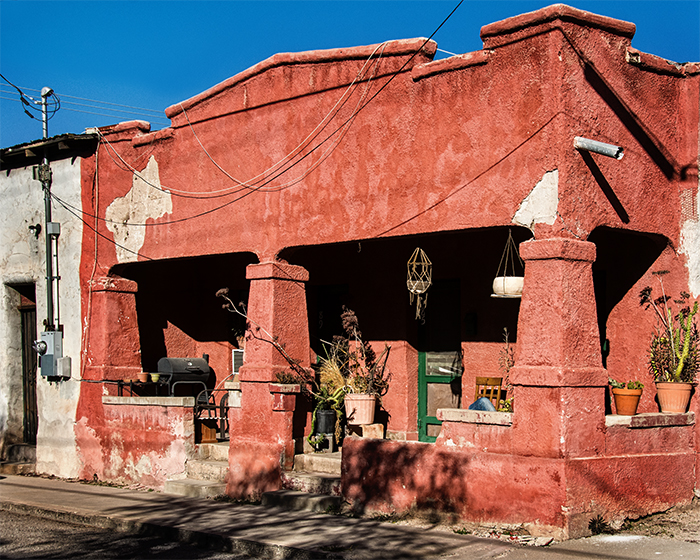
(673, 349)
(365, 373)
(626, 396)
(328, 392)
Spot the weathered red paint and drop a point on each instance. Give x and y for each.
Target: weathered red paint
(442, 157)
(136, 443)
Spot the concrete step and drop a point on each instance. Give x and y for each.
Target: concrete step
(312, 483)
(328, 463)
(205, 469)
(214, 451)
(190, 488)
(301, 501)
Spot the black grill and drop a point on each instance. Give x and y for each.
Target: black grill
(185, 370)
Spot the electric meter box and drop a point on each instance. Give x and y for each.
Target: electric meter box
(48, 362)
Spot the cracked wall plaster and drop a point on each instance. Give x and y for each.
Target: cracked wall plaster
(690, 237)
(141, 203)
(540, 206)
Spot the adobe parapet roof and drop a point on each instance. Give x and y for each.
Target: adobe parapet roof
(401, 47)
(551, 13)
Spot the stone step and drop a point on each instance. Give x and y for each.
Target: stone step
(301, 501)
(17, 467)
(190, 488)
(312, 483)
(214, 451)
(21, 453)
(205, 469)
(328, 463)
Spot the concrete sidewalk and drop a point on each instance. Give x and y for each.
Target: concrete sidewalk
(254, 530)
(271, 533)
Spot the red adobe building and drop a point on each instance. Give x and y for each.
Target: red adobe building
(306, 182)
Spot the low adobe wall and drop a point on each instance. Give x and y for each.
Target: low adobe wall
(470, 473)
(142, 440)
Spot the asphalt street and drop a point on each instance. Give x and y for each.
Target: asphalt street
(27, 536)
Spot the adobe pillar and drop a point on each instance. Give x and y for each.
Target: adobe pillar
(262, 441)
(559, 382)
(112, 346)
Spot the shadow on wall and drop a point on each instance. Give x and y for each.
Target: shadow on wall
(177, 305)
(418, 476)
(369, 277)
(622, 258)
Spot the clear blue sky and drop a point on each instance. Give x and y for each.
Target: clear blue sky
(155, 54)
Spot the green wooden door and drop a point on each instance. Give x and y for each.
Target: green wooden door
(439, 357)
(439, 386)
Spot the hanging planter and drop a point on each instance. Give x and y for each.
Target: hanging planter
(419, 279)
(507, 283)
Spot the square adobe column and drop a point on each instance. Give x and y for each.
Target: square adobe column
(559, 381)
(262, 428)
(112, 345)
(276, 304)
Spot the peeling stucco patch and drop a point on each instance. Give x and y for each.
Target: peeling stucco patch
(141, 203)
(690, 237)
(540, 206)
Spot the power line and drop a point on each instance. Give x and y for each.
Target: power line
(70, 209)
(162, 120)
(63, 95)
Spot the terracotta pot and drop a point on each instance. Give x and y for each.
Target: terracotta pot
(359, 408)
(143, 377)
(673, 397)
(626, 401)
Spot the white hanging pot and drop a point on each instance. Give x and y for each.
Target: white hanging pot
(507, 287)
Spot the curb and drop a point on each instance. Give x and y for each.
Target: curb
(208, 540)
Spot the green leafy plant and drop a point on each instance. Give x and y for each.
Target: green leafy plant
(673, 350)
(622, 385)
(328, 390)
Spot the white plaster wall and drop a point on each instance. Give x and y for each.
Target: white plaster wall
(690, 233)
(22, 261)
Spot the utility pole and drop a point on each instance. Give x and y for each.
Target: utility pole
(45, 178)
(50, 347)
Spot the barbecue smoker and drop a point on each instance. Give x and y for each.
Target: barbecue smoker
(194, 371)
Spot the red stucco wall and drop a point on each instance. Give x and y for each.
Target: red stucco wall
(315, 171)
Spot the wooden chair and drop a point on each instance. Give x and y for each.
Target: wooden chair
(489, 387)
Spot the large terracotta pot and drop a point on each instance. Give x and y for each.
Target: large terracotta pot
(359, 408)
(626, 401)
(673, 397)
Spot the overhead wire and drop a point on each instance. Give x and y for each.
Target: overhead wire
(344, 126)
(72, 210)
(311, 136)
(154, 115)
(251, 183)
(211, 210)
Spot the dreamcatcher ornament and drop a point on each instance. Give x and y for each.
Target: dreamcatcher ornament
(420, 277)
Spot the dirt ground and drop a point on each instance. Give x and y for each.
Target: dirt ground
(681, 522)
